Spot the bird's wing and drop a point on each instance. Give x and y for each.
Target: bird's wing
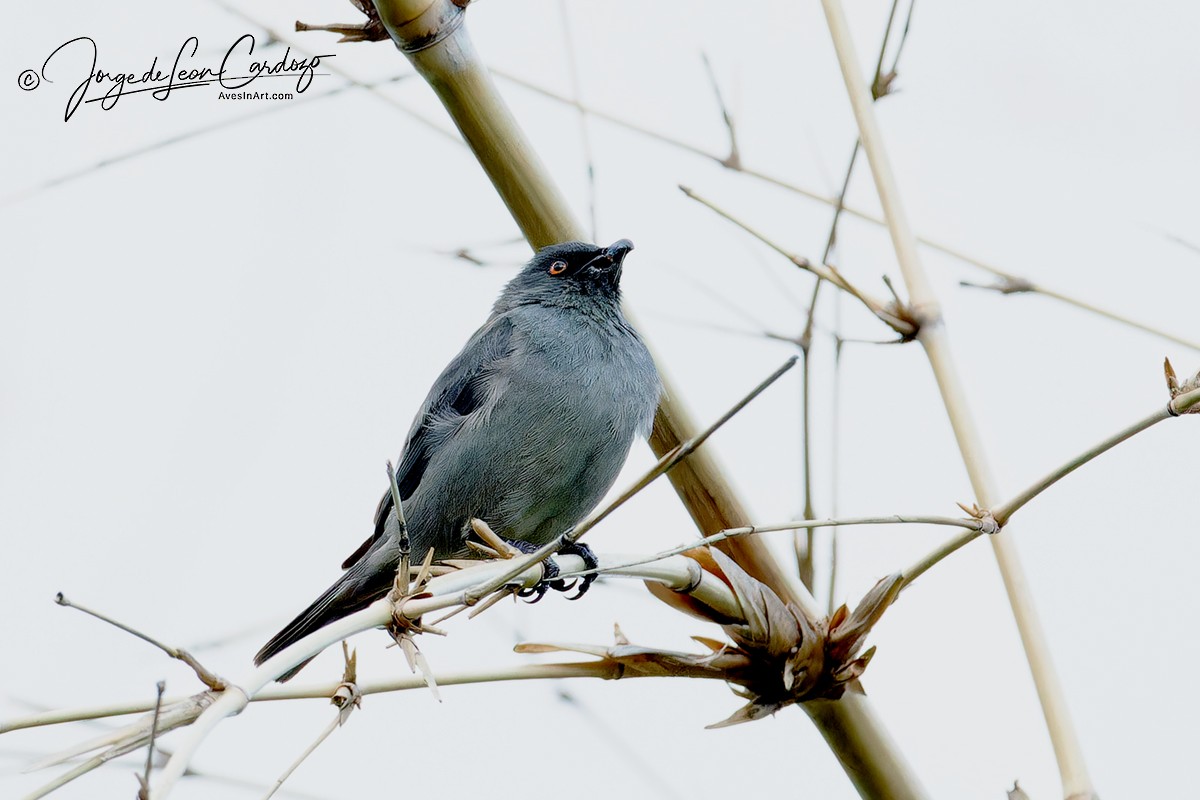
(460, 390)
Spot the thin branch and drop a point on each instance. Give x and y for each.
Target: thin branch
(314, 691)
(144, 779)
(595, 669)
(308, 751)
(887, 33)
(261, 111)
(975, 526)
(805, 549)
(617, 738)
(1014, 284)
(734, 159)
(722, 299)
(781, 286)
(805, 554)
(1180, 404)
(804, 546)
(208, 678)
(881, 85)
(895, 318)
(1185, 402)
(161, 754)
(584, 137)
(835, 425)
(346, 697)
(1182, 242)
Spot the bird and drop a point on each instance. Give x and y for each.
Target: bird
(525, 429)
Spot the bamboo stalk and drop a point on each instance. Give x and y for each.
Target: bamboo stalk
(1067, 750)
(432, 35)
(851, 728)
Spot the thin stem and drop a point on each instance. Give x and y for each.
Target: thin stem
(207, 677)
(804, 547)
(1005, 511)
(1010, 284)
(144, 789)
(932, 336)
(308, 751)
(824, 271)
(1002, 513)
(191, 133)
(942, 551)
(974, 525)
(615, 735)
(887, 32)
(293, 691)
(1115, 317)
(806, 556)
(734, 159)
(1180, 404)
(835, 425)
(584, 137)
(1182, 242)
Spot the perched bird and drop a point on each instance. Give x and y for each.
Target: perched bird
(525, 429)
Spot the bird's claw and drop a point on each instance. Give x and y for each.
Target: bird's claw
(589, 562)
(550, 579)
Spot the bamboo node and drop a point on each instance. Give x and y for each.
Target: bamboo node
(373, 30)
(1176, 388)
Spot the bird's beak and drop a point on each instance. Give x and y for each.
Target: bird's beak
(617, 251)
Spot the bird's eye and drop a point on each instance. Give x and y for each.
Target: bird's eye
(558, 268)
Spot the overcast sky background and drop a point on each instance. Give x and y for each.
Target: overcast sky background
(210, 350)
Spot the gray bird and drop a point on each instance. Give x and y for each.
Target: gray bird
(525, 429)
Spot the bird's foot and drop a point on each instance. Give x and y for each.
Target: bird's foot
(589, 562)
(551, 571)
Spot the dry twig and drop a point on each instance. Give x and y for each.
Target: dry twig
(346, 697)
(207, 677)
(895, 315)
(144, 779)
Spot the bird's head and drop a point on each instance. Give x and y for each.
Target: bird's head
(570, 273)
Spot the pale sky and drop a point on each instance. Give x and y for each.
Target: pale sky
(211, 349)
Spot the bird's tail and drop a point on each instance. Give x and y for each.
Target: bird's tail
(352, 592)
